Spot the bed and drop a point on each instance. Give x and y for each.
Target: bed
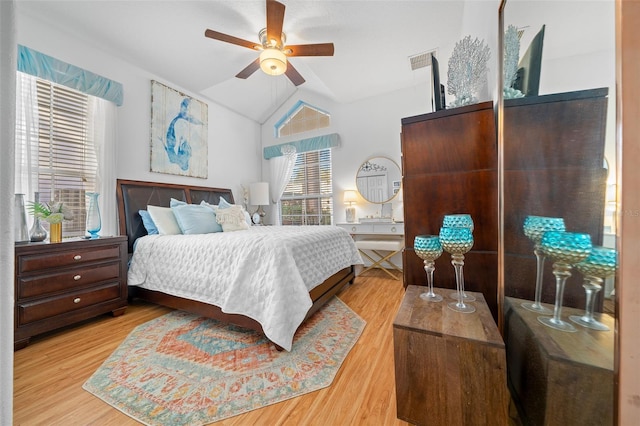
(261, 256)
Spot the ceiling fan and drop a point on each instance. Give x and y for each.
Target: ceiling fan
(274, 52)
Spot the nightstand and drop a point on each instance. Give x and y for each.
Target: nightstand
(63, 283)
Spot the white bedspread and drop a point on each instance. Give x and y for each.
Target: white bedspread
(264, 273)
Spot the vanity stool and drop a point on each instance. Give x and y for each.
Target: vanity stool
(381, 239)
(384, 250)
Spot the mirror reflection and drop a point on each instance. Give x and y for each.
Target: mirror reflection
(378, 180)
(558, 130)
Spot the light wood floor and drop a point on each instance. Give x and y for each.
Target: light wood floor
(49, 373)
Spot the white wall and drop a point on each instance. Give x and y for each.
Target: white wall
(234, 141)
(367, 128)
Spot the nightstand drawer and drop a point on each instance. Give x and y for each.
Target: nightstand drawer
(40, 285)
(38, 262)
(46, 308)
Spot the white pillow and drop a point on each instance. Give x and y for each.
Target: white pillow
(165, 220)
(232, 218)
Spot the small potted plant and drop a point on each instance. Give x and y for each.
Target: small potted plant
(53, 212)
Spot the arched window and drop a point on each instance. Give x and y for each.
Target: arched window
(307, 198)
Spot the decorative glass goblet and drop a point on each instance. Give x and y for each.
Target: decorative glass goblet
(459, 221)
(428, 248)
(458, 241)
(601, 263)
(566, 249)
(534, 227)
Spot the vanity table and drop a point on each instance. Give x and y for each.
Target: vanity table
(379, 242)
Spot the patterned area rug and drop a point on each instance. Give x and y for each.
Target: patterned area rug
(183, 369)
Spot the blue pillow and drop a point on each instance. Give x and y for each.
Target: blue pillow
(196, 219)
(223, 204)
(175, 203)
(148, 223)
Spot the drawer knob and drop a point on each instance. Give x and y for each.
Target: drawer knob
(76, 300)
(393, 229)
(77, 257)
(353, 229)
(77, 277)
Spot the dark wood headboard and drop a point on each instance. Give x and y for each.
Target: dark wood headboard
(135, 195)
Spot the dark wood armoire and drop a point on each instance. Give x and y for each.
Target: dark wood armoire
(449, 165)
(553, 166)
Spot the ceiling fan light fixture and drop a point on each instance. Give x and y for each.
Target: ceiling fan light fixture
(273, 61)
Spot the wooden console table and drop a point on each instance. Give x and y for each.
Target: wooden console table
(555, 377)
(450, 367)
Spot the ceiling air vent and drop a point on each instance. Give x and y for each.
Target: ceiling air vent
(421, 60)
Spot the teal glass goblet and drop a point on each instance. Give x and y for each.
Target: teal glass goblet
(428, 248)
(601, 263)
(459, 221)
(566, 249)
(534, 227)
(457, 242)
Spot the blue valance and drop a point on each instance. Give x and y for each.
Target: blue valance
(48, 68)
(304, 145)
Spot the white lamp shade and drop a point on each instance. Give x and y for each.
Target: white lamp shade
(273, 61)
(259, 194)
(350, 196)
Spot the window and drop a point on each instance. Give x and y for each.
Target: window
(66, 161)
(302, 118)
(308, 198)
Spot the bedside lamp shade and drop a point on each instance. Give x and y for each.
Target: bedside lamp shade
(350, 197)
(259, 196)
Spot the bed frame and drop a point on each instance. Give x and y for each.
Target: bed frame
(136, 195)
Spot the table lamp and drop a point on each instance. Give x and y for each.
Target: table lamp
(350, 197)
(259, 196)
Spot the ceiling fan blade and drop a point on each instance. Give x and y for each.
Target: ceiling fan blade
(319, 49)
(294, 75)
(250, 69)
(275, 19)
(231, 39)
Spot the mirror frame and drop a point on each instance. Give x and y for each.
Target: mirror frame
(394, 164)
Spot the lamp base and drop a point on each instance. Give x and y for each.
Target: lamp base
(351, 214)
(258, 217)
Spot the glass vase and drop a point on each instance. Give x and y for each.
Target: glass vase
(21, 230)
(37, 232)
(94, 223)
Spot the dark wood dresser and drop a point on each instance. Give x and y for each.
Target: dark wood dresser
(63, 283)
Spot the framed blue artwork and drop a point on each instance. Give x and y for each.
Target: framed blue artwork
(179, 131)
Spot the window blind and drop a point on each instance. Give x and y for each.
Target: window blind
(307, 199)
(66, 155)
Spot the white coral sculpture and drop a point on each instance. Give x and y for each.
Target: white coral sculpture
(511, 58)
(467, 70)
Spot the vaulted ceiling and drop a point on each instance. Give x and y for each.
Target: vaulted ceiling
(373, 42)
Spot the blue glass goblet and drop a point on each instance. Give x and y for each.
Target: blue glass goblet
(428, 248)
(459, 221)
(566, 249)
(601, 263)
(458, 241)
(534, 227)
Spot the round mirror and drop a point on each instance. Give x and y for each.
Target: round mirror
(378, 180)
